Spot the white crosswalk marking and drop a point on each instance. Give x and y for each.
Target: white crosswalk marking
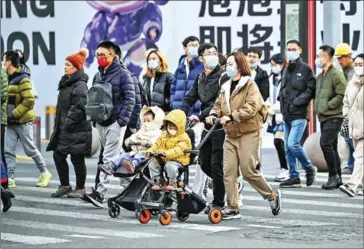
(38, 219)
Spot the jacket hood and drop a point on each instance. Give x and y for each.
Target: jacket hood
(158, 117)
(177, 117)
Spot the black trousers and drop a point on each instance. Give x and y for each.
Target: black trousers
(3, 127)
(211, 158)
(79, 165)
(328, 141)
(279, 145)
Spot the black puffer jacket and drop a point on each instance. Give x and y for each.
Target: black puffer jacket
(297, 90)
(262, 80)
(161, 90)
(72, 132)
(205, 89)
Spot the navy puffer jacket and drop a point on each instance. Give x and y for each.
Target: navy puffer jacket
(123, 91)
(183, 84)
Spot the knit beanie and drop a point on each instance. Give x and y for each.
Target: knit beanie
(78, 59)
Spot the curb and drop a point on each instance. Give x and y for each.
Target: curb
(23, 158)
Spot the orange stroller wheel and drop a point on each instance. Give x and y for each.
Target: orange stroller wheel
(165, 218)
(215, 216)
(145, 216)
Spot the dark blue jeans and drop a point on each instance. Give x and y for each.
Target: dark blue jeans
(293, 132)
(351, 159)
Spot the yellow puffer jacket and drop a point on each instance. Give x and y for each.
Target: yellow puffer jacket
(21, 99)
(173, 147)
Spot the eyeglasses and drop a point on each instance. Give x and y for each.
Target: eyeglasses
(291, 49)
(99, 55)
(253, 56)
(210, 54)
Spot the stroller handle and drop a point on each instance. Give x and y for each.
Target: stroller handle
(157, 154)
(216, 122)
(139, 144)
(193, 152)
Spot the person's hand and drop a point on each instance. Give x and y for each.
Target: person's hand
(133, 130)
(210, 120)
(194, 118)
(153, 33)
(224, 120)
(147, 155)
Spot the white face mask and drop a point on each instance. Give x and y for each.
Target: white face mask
(153, 64)
(359, 71)
(148, 126)
(172, 132)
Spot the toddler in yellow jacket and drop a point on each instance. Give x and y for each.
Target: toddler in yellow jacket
(171, 143)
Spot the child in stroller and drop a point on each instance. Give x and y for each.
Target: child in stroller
(151, 119)
(171, 144)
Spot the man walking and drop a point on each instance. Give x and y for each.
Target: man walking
(206, 89)
(330, 91)
(20, 120)
(113, 92)
(297, 90)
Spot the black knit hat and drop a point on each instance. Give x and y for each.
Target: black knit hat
(278, 58)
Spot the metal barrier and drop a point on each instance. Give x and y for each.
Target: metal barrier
(50, 116)
(37, 132)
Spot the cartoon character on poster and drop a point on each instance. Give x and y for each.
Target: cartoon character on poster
(135, 26)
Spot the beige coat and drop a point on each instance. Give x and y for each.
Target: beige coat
(353, 107)
(245, 106)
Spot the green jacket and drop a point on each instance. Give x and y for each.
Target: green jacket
(330, 91)
(21, 99)
(4, 96)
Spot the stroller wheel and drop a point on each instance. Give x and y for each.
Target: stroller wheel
(182, 216)
(215, 216)
(145, 216)
(114, 211)
(165, 218)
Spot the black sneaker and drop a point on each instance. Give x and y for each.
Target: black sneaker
(230, 214)
(347, 190)
(275, 202)
(6, 196)
(96, 199)
(332, 183)
(310, 176)
(293, 182)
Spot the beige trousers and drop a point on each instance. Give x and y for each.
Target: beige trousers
(358, 176)
(244, 152)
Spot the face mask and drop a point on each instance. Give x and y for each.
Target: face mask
(276, 70)
(318, 63)
(148, 126)
(252, 65)
(102, 61)
(172, 132)
(192, 52)
(359, 71)
(153, 64)
(231, 72)
(292, 55)
(211, 61)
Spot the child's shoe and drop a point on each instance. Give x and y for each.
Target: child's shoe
(108, 170)
(129, 166)
(172, 185)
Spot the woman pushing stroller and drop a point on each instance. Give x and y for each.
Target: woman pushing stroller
(151, 119)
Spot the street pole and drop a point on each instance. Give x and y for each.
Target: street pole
(332, 24)
(311, 55)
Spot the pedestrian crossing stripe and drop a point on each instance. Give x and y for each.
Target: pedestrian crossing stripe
(31, 240)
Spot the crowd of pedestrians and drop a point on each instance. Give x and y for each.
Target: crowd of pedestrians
(206, 86)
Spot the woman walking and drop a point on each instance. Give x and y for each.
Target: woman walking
(72, 132)
(275, 117)
(241, 110)
(353, 110)
(157, 81)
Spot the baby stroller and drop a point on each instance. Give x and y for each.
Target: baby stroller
(139, 189)
(188, 202)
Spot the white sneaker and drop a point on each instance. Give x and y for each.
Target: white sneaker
(283, 176)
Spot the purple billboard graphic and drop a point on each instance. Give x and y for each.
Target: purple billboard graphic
(135, 26)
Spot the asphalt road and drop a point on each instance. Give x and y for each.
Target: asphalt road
(311, 217)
